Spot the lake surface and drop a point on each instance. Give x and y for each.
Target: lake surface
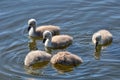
(78, 18)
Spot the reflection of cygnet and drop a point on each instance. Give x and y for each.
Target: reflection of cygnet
(36, 56)
(66, 58)
(56, 42)
(102, 38)
(38, 32)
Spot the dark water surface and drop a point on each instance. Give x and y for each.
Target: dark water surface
(78, 18)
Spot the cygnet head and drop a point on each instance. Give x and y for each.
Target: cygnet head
(46, 35)
(98, 39)
(31, 23)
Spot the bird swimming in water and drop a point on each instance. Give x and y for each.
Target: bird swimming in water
(35, 31)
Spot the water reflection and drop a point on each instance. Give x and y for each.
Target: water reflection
(36, 69)
(32, 43)
(97, 52)
(63, 68)
(98, 49)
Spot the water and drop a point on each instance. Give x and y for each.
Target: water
(78, 18)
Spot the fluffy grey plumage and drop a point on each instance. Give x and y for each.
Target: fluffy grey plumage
(36, 56)
(56, 42)
(38, 31)
(66, 58)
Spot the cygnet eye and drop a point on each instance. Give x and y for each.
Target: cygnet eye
(48, 34)
(32, 23)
